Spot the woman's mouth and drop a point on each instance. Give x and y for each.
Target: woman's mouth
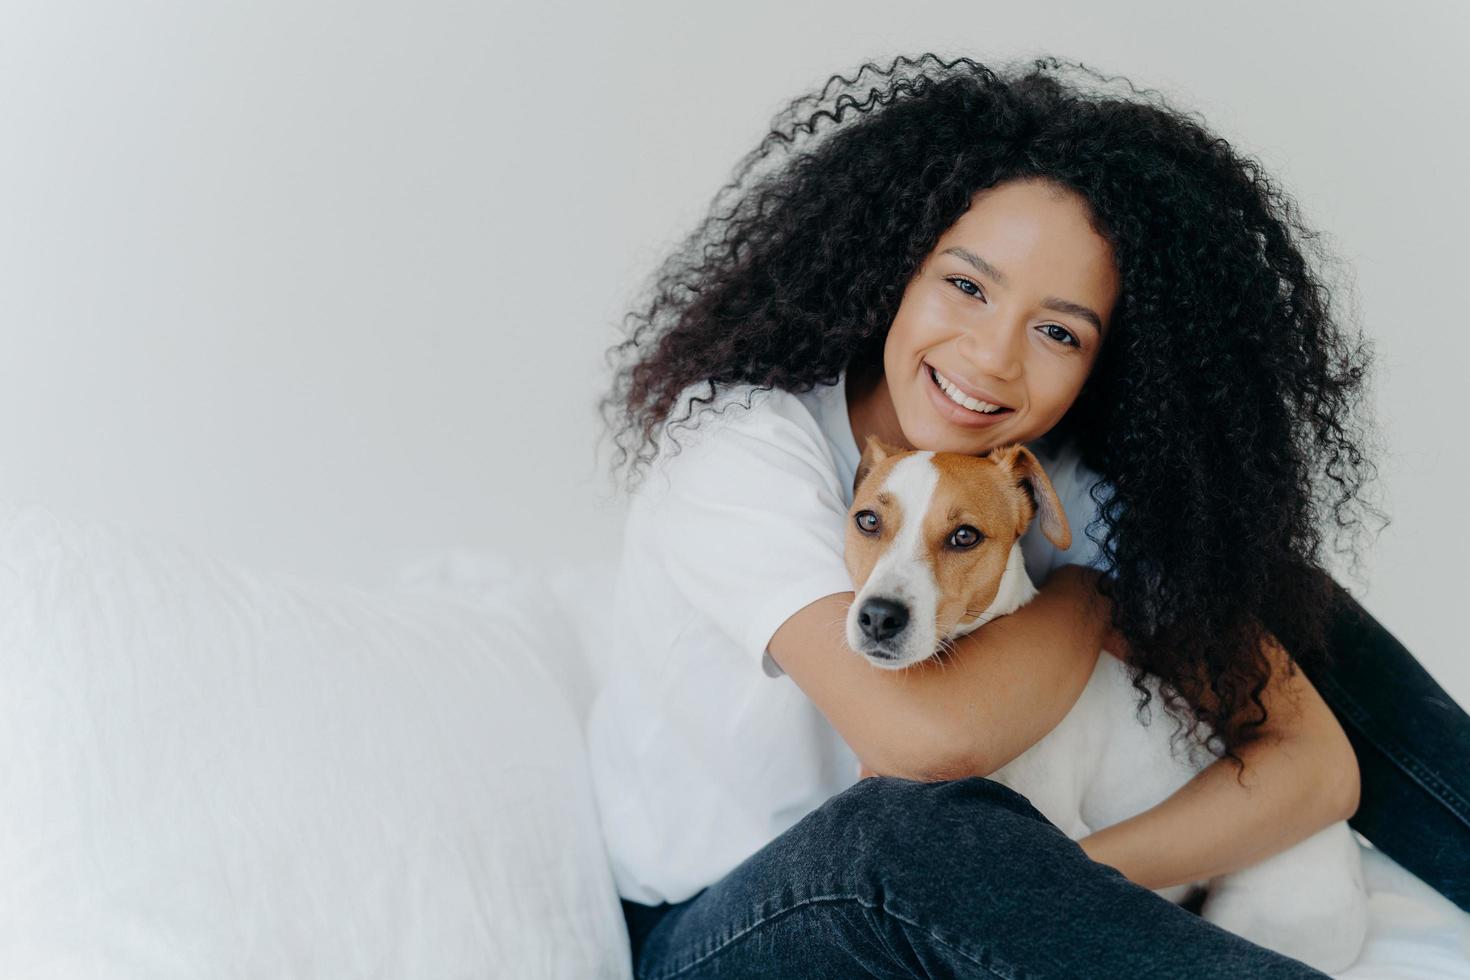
(959, 407)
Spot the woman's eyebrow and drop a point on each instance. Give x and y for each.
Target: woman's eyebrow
(1050, 303)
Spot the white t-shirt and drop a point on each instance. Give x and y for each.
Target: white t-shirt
(702, 749)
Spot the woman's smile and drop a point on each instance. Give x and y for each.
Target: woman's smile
(952, 411)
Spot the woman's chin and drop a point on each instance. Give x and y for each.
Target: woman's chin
(937, 436)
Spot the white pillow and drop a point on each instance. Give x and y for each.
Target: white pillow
(212, 772)
(583, 590)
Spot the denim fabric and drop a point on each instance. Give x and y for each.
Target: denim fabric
(964, 878)
(961, 878)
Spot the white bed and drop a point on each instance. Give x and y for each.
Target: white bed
(213, 772)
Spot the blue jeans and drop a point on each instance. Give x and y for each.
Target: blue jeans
(964, 878)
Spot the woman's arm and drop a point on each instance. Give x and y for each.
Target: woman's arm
(992, 696)
(1300, 776)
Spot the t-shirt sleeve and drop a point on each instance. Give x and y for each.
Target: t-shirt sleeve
(747, 518)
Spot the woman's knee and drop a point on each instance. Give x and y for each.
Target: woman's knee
(967, 799)
(889, 826)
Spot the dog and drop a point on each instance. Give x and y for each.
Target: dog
(934, 550)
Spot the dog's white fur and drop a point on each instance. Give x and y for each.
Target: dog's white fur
(1101, 764)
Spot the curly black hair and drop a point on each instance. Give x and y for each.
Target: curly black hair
(1224, 410)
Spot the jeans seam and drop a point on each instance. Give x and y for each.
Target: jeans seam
(1410, 764)
(741, 933)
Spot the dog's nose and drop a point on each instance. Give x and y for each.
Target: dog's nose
(882, 618)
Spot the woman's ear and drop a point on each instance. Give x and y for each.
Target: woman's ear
(1026, 470)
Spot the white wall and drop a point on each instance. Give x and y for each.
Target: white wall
(322, 286)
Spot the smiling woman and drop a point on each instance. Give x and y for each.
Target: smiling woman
(957, 259)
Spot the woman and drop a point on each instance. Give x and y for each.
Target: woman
(1129, 297)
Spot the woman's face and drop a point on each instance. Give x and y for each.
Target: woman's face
(1011, 309)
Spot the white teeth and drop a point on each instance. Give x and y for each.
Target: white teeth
(960, 398)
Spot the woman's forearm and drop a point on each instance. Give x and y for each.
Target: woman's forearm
(1299, 776)
(1293, 787)
(998, 690)
(1002, 688)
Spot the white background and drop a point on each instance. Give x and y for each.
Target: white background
(323, 286)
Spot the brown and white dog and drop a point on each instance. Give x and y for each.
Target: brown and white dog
(933, 547)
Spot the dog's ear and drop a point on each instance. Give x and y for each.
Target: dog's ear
(875, 451)
(1030, 477)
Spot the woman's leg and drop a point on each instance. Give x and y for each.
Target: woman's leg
(903, 879)
(1413, 745)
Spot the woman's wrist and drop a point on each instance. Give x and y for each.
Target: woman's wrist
(1102, 848)
(1116, 847)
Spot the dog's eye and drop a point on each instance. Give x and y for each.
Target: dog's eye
(867, 521)
(965, 536)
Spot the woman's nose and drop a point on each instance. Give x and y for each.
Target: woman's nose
(995, 349)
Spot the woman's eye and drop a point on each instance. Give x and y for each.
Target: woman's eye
(965, 536)
(867, 521)
(1058, 332)
(961, 282)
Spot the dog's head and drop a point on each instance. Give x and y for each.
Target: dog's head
(933, 545)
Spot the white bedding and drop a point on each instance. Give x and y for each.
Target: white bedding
(1414, 933)
(210, 772)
